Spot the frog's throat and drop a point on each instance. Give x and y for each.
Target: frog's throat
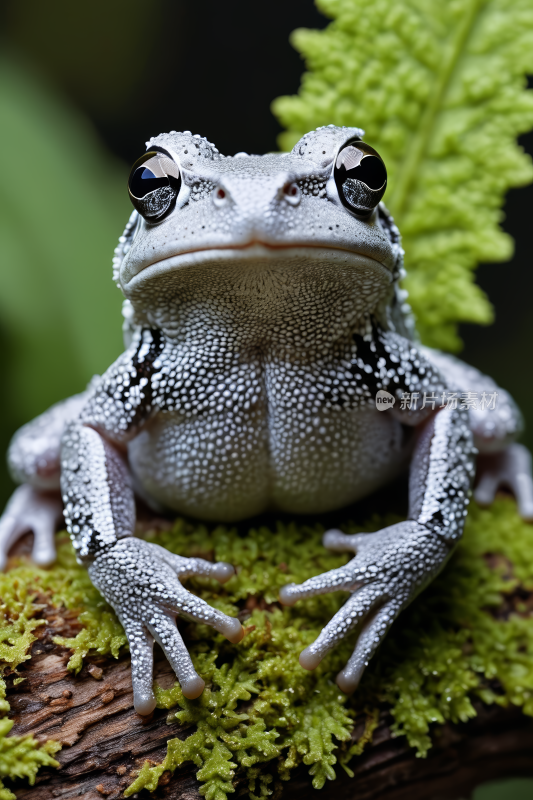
(255, 257)
(261, 292)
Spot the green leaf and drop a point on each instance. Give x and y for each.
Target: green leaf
(439, 88)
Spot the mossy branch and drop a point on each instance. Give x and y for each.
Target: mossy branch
(20, 756)
(468, 637)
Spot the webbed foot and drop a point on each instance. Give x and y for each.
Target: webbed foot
(30, 509)
(141, 581)
(510, 468)
(390, 568)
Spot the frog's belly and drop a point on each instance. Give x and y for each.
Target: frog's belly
(212, 467)
(223, 468)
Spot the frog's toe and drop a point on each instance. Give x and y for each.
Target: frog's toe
(177, 600)
(223, 571)
(187, 567)
(341, 542)
(10, 531)
(485, 491)
(374, 630)
(144, 702)
(510, 468)
(30, 510)
(519, 478)
(44, 549)
(353, 612)
(232, 629)
(163, 629)
(142, 662)
(341, 578)
(183, 602)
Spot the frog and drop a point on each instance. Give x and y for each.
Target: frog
(264, 323)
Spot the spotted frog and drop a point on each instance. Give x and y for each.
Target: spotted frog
(263, 322)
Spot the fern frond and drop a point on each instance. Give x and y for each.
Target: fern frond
(439, 88)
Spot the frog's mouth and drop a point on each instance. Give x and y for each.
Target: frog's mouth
(254, 255)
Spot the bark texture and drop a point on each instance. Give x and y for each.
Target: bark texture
(105, 741)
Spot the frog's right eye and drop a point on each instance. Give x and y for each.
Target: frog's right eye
(360, 176)
(153, 185)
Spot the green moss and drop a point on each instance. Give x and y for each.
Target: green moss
(259, 707)
(439, 88)
(440, 656)
(20, 756)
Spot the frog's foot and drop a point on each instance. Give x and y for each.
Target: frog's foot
(141, 581)
(390, 568)
(510, 468)
(29, 509)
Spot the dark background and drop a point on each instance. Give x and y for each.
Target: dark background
(137, 69)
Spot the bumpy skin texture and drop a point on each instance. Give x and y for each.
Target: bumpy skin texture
(262, 317)
(392, 566)
(139, 580)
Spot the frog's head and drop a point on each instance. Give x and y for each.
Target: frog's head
(275, 230)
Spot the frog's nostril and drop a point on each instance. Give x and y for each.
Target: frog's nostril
(291, 193)
(221, 194)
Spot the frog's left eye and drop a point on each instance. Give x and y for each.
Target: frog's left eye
(360, 177)
(153, 185)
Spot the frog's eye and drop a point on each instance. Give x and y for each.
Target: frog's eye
(153, 185)
(360, 177)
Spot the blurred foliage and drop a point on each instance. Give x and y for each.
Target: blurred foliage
(440, 90)
(96, 52)
(62, 208)
(517, 788)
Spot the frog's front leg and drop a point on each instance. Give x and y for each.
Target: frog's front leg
(393, 565)
(139, 579)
